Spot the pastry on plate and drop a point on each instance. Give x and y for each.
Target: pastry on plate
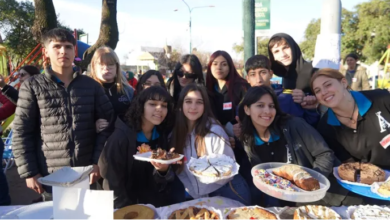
(384, 189)
(161, 154)
(134, 212)
(299, 176)
(370, 212)
(211, 168)
(315, 212)
(251, 213)
(367, 172)
(193, 212)
(144, 148)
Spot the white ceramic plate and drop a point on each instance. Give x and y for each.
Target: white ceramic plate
(146, 157)
(42, 210)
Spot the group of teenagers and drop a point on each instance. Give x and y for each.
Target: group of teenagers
(64, 118)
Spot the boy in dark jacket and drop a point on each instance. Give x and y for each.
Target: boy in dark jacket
(7, 109)
(259, 73)
(54, 123)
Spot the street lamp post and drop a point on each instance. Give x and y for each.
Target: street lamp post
(190, 11)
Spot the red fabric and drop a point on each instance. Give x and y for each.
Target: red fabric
(7, 109)
(133, 82)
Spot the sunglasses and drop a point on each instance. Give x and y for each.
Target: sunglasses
(187, 75)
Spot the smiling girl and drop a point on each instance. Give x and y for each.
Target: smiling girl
(197, 133)
(132, 181)
(269, 135)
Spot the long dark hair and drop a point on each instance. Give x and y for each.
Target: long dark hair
(202, 126)
(146, 76)
(134, 115)
(196, 67)
(252, 96)
(232, 79)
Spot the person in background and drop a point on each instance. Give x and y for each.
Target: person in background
(226, 89)
(260, 73)
(356, 125)
(131, 79)
(355, 74)
(7, 109)
(105, 69)
(54, 123)
(24, 73)
(187, 71)
(148, 79)
(137, 182)
(287, 62)
(270, 135)
(197, 133)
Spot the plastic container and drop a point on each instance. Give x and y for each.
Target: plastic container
(303, 196)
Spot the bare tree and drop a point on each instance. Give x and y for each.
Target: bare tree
(45, 18)
(109, 34)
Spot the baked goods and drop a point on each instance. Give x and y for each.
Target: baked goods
(384, 189)
(361, 173)
(251, 213)
(274, 181)
(370, 212)
(299, 176)
(161, 154)
(211, 168)
(134, 212)
(315, 212)
(144, 148)
(193, 212)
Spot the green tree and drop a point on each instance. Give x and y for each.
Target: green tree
(373, 32)
(365, 31)
(309, 44)
(16, 20)
(262, 47)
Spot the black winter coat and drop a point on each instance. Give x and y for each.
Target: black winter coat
(54, 126)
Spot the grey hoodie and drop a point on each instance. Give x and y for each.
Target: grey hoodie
(216, 142)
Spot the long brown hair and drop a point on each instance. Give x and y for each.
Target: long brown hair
(202, 125)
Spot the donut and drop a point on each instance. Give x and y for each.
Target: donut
(134, 212)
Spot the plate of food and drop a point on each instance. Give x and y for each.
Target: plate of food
(212, 168)
(251, 212)
(290, 182)
(382, 189)
(145, 153)
(368, 212)
(315, 212)
(193, 212)
(136, 212)
(359, 177)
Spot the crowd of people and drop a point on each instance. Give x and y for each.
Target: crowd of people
(64, 118)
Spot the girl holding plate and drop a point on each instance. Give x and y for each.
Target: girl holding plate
(356, 125)
(134, 182)
(197, 133)
(269, 135)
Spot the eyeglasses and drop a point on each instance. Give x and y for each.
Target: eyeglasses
(180, 74)
(149, 84)
(109, 66)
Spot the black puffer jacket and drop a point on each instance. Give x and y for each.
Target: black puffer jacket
(54, 126)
